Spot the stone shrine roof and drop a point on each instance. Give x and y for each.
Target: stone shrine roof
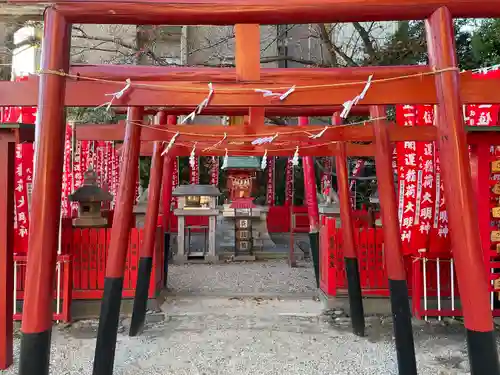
(196, 190)
(243, 162)
(90, 191)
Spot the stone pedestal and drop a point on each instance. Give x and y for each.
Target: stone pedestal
(140, 215)
(330, 210)
(93, 221)
(196, 200)
(183, 254)
(225, 236)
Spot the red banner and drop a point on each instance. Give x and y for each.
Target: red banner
(80, 165)
(422, 210)
(22, 195)
(482, 114)
(106, 169)
(175, 179)
(115, 173)
(439, 240)
(214, 171)
(99, 160)
(67, 175)
(426, 190)
(270, 181)
(289, 182)
(407, 178)
(194, 177)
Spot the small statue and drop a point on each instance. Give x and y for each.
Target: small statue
(330, 196)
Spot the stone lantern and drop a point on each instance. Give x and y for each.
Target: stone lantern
(140, 208)
(90, 198)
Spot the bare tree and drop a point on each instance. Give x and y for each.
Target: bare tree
(331, 45)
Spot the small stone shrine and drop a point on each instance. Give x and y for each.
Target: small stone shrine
(243, 225)
(90, 198)
(196, 200)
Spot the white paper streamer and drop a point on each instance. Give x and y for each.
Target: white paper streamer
(295, 159)
(269, 93)
(204, 104)
(224, 161)
(116, 95)
(192, 156)
(264, 140)
(170, 144)
(263, 163)
(351, 103)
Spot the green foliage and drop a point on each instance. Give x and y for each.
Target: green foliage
(477, 45)
(85, 115)
(485, 43)
(144, 167)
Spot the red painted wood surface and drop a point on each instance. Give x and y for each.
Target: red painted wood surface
(369, 242)
(328, 149)
(458, 189)
(83, 265)
(269, 111)
(7, 153)
(89, 250)
(274, 76)
(153, 205)
(230, 12)
(388, 200)
(123, 214)
(65, 264)
(91, 94)
(116, 132)
(47, 181)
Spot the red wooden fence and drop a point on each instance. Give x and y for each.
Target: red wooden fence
(81, 268)
(369, 243)
(431, 278)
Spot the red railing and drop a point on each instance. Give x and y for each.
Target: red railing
(62, 287)
(89, 248)
(81, 268)
(431, 278)
(369, 241)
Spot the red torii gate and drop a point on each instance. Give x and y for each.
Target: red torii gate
(450, 85)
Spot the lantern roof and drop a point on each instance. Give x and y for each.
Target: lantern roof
(243, 162)
(196, 190)
(90, 190)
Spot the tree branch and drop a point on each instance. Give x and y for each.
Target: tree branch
(365, 37)
(117, 41)
(326, 40)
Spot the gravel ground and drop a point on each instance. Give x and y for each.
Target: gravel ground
(254, 278)
(242, 336)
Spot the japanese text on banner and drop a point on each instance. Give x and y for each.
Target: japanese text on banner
(270, 182)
